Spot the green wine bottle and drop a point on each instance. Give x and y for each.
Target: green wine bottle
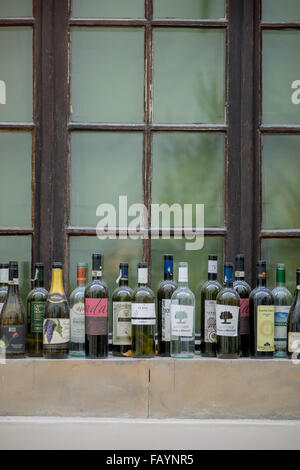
(282, 301)
(36, 303)
(294, 323)
(121, 305)
(244, 290)
(3, 284)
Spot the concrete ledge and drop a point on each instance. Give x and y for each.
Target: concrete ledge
(154, 388)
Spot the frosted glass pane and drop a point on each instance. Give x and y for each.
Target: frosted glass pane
(15, 179)
(197, 263)
(281, 77)
(189, 75)
(15, 8)
(104, 166)
(282, 250)
(280, 189)
(188, 168)
(108, 8)
(279, 10)
(16, 74)
(107, 74)
(18, 248)
(211, 9)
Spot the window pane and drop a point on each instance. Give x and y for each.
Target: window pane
(108, 8)
(15, 179)
(197, 263)
(188, 168)
(18, 248)
(104, 166)
(189, 75)
(281, 77)
(107, 74)
(16, 74)
(277, 10)
(15, 7)
(280, 190)
(282, 250)
(189, 8)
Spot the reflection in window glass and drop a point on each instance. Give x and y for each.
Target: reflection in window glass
(280, 181)
(15, 8)
(281, 77)
(107, 74)
(188, 168)
(189, 75)
(277, 10)
(282, 250)
(197, 261)
(210, 9)
(104, 166)
(108, 8)
(15, 210)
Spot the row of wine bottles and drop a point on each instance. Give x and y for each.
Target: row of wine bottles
(235, 321)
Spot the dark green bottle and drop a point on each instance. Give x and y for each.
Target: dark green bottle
(227, 317)
(36, 303)
(293, 325)
(282, 301)
(244, 290)
(121, 306)
(3, 284)
(209, 292)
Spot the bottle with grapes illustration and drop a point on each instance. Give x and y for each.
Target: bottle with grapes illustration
(56, 327)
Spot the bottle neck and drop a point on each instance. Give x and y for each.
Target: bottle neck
(81, 277)
(261, 281)
(168, 270)
(228, 276)
(3, 277)
(13, 289)
(212, 270)
(142, 277)
(183, 276)
(97, 274)
(239, 275)
(212, 276)
(57, 281)
(280, 278)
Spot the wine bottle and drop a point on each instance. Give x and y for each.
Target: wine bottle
(36, 303)
(96, 312)
(77, 316)
(294, 323)
(56, 327)
(262, 309)
(209, 292)
(164, 294)
(244, 290)
(227, 317)
(3, 284)
(12, 320)
(121, 305)
(143, 316)
(183, 317)
(282, 301)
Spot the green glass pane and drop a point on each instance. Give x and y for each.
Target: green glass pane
(282, 250)
(108, 8)
(281, 77)
(18, 248)
(15, 8)
(114, 251)
(197, 261)
(15, 179)
(280, 181)
(188, 168)
(107, 74)
(189, 75)
(16, 74)
(279, 10)
(189, 9)
(104, 166)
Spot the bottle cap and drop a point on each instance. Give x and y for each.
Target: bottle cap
(3, 265)
(57, 265)
(213, 257)
(96, 261)
(168, 257)
(142, 265)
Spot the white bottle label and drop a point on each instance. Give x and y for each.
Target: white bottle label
(212, 266)
(122, 323)
(77, 323)
(56, 330)
(210, 321)
(280, 326)
(166, 319)
(1, 307)
(143, 314)
(294, 342)
(227, 317)
(182, 319)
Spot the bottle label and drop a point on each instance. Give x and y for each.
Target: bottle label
(1, 306)
(182, 319)
(56, 298)
(166, 319)
(212, 266)
(265, 328)
(77, 323)
(37, 316)
(280, 327)
(143, 314)
(56, 330)
(13, 337)
(244, 317)
(227, 320)
(294, 341)
(122, 323)
(182, 274)
(239, 274)
(96, 317)
(210, 321)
